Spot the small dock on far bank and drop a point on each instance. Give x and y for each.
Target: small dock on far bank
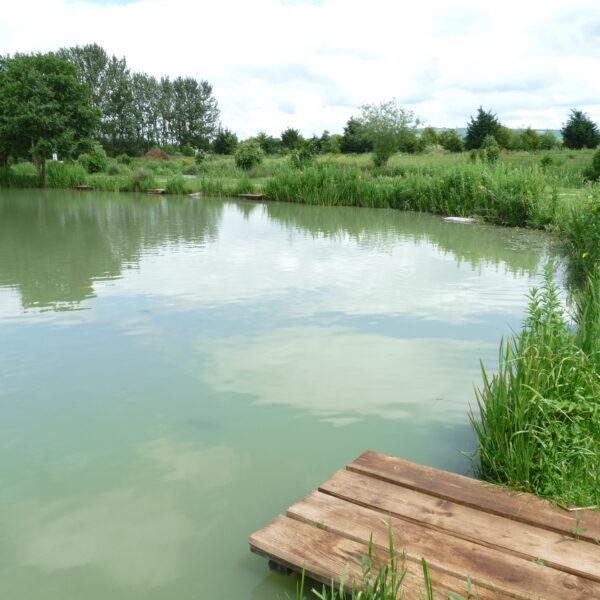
(252, 196)
(510, 545)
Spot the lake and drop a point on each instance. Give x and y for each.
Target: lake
(175, 372)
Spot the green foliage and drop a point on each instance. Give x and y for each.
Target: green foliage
(389, 127)
(201, 157)
(268, 143)
(580, 131)
(484, 124)
(225, 142)
(95, 160)
(546, 161)
(43, 108)
(303, 156)
(530, 139)
(187, 150)
(175, 185)
(549, 141)
(65, 175)
(430, 137)
(19, 176)
(594, 171)
(355, 139)
(248, 155)
(451, 141)
(124, 159)
(539, 422)
(491, 149)
(141, 180)
(291, 139)
(497, 193)
(581, 237)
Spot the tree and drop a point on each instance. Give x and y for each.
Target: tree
(225, 142)
(451, 141)
(355, 139)
(430, 137)
(291, 138)
(580, 131)
(484, 124)
(43, 109)
(549, 141)
(195, 116)
(268, 143)
(389, 127)
(530, 139)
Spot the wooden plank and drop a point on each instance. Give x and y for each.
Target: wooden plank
(487, 567)
(562, 552)
(497, 500)
(251, 196)
(82, 188)
(327, 557)
(156, 191)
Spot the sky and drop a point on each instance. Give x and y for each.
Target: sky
(310, 64)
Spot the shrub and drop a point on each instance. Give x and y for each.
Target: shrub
(124, 159)
(201, 157)
(248, 155)
(491, 149)
(300, 157)
(451, 141)
(546, 161)
(593, 172)
(95, 160)
(141, 180)
(187, 150)
(157, 154)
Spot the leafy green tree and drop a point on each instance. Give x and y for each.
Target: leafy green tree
(248, 154)
(549, 141)
(451, 141)
(195, 115)
(580, 131)
(530, 139)
(291, 138)
(480, 126)
(43, 109)
(268, 143)
(508, 138)
(430, 137)
(354, 140)
(389, 127)
(490, 149)
(225, 142)
(95, 160)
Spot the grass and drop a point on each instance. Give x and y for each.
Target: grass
(383, 578)
(538, 421)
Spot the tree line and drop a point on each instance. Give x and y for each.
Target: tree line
(64, 102)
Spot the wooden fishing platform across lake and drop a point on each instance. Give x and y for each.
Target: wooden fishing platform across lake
(252, 196)
(511, 545)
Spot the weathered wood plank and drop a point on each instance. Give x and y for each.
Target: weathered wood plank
(529, 542)
(497, 500)
(489, 568)
(328, 557)
(251, 196)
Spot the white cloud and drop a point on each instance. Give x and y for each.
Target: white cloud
(309, 64)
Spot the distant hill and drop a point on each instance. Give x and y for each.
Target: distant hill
(462, 131)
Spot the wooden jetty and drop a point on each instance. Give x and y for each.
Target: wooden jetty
(252, 196)
(510, 545)
(157, 191)
(82, 188)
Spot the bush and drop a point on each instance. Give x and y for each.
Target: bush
(491, 149)
(157, 154)
(201, 157)
(593, 172)
(451, 141)
(300, 157)
(141, 180)
(248, 155)
(95, 161)
(187, 150)
(546, 161)
(124, 159)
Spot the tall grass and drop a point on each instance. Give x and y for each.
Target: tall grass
(383, 578)
(497, 193)
(65, 175)
(539, 417)
(22, 175)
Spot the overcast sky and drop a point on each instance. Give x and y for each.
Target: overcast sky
(310, 64)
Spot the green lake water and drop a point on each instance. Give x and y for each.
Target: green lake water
(176, 372)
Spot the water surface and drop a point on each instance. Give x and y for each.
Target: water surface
(175, 372)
